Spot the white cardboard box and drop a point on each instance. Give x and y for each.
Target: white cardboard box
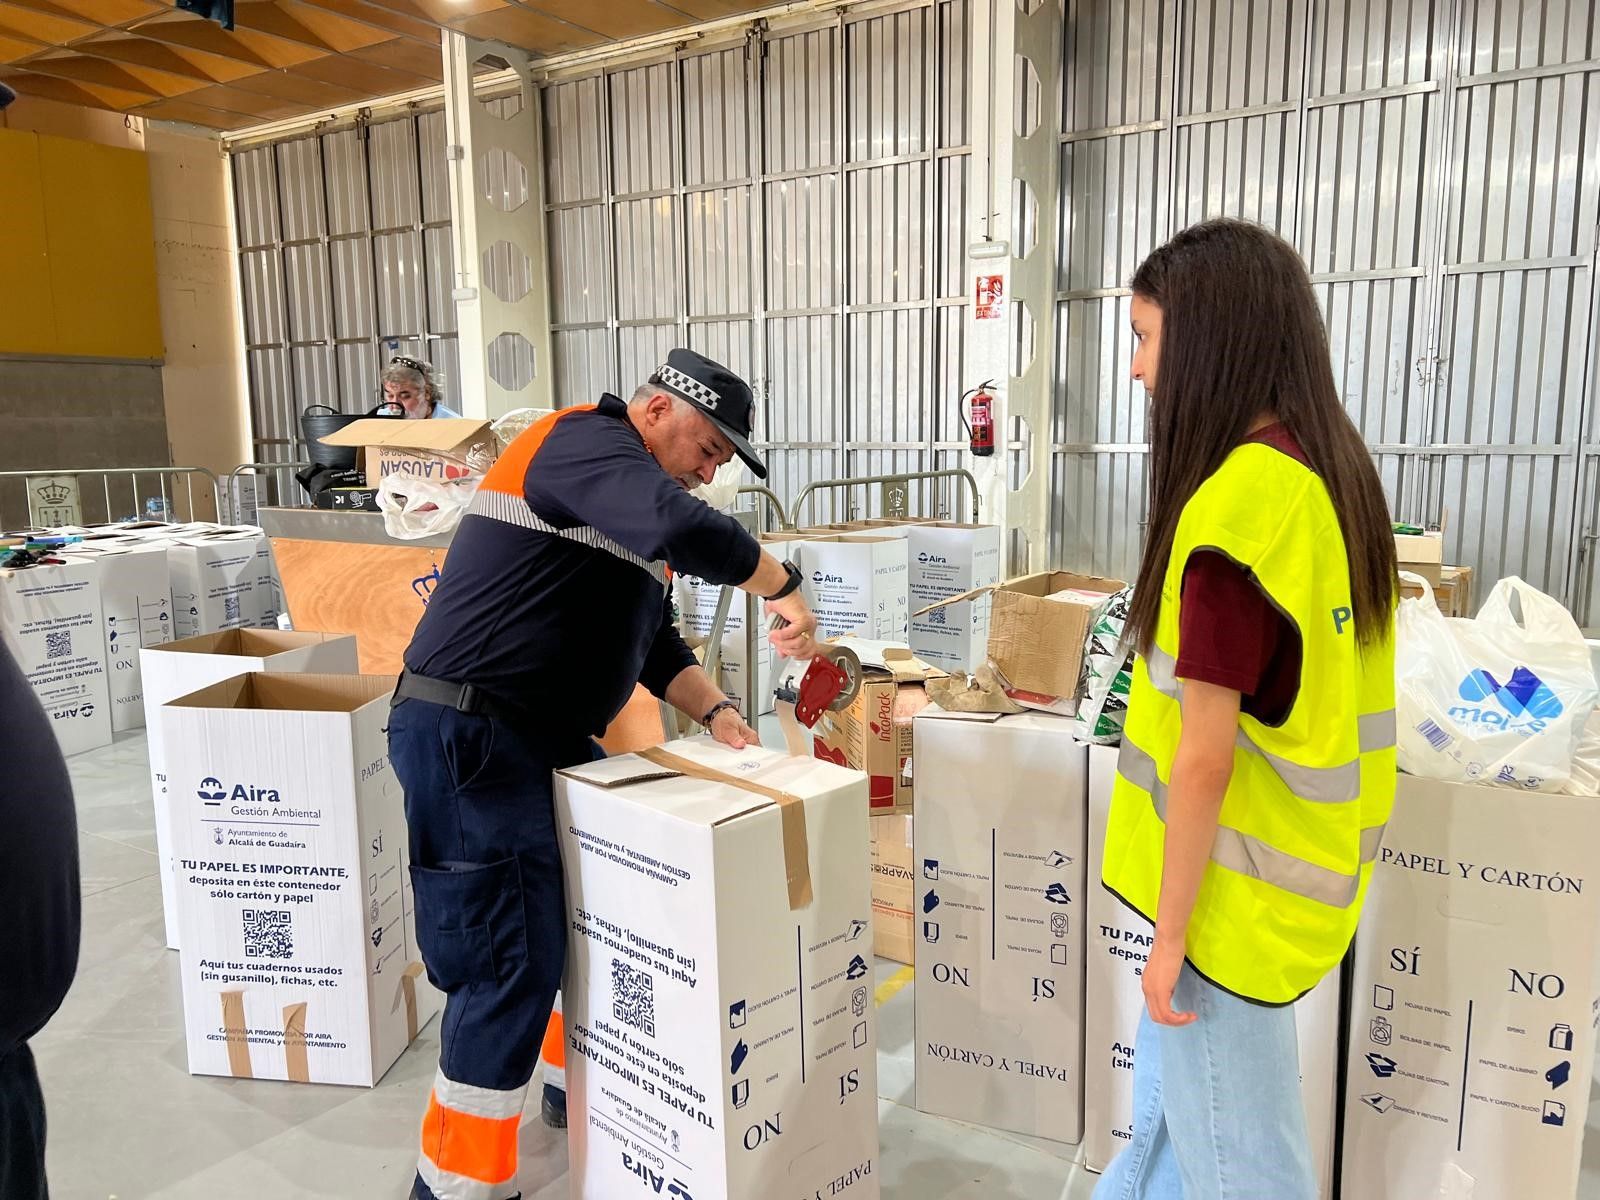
(300, 960)
(697, 603)
(856, 585)
(999, 850)
(51, 618)
(215, 582)
(185, 666)
(718, 996)
(1119, 943)
(1476, 977)
(136, 609)
(945, 560)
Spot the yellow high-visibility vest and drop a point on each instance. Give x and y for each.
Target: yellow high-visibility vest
(1306, 807)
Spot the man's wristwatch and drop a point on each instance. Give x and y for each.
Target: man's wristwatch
(791, 585)
(716, 708)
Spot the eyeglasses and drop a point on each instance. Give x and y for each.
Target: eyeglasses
(400, 360)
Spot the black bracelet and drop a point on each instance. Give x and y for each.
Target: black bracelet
(716, 708)
(791, 584)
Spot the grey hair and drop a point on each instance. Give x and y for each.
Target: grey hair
(405, 376)
(646, 392)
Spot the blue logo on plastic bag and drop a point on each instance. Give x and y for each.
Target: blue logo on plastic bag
(1523, 702)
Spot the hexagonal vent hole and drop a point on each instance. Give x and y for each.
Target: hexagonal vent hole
(511, 361)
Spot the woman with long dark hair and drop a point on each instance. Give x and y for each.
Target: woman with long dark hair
(1258, 765)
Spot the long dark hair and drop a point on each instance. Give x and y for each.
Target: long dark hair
(1242, 336)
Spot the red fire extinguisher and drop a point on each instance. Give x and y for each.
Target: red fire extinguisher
(980, 430)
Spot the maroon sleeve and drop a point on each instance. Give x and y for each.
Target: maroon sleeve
(1227, 630)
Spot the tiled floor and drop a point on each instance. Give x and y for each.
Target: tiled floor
(127, 1120)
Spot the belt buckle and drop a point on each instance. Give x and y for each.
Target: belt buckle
(467, 700)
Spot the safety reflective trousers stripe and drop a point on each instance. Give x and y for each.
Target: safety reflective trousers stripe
(1324, 785)
(469, 1141)
(1246, 855)
(553, 1050)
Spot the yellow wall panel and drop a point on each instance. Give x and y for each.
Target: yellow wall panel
(27, 315)
(101, 241)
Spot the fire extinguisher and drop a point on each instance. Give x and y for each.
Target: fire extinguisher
(980, 430)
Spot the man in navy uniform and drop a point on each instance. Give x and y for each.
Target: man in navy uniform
(553, 604)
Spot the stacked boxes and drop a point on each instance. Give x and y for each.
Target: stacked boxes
(52, 622)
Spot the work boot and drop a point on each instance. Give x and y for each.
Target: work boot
(553, 1108)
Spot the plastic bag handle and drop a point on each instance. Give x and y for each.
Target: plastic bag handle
(1427, 590)
(1537, 609)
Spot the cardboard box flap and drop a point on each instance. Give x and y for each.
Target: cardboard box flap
(656, 763)
(437, 433)
(290, 692)
(889, 658)
(1039, 584)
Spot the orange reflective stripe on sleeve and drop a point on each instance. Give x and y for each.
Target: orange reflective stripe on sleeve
(510, 469)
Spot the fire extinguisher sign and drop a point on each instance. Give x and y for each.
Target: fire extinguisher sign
(991, 297)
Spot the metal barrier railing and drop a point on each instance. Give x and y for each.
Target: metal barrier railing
(771, 498)
(283, 490)
(167, 481)
(895, 492)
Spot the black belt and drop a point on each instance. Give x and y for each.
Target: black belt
(464, 697)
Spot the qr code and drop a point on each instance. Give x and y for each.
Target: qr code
(267, 933)
(230, 608)
(937, 617)
(1437, 738)
(633, 996)
(58, 644)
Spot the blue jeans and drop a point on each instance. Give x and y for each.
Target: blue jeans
(1217, 1112)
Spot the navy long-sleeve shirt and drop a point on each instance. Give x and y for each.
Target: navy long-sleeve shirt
(554, 594)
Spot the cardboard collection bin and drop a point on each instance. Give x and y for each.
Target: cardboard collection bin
(1000, 844)
(1477, 979)
(299, 957)
(136, 612)
(187, 665)
(718, 996)
(52, 622)
(856, 586)
(950, 559)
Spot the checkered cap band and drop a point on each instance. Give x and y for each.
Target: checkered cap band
(688, 386)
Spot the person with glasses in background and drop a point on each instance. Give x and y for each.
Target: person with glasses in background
(410, 391)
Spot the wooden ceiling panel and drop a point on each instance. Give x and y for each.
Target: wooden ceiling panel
(286, 58)
(404, 55)
(45, 27)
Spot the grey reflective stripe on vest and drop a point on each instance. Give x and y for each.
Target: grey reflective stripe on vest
(514, 510)
(1324, 785)
(1249, 855)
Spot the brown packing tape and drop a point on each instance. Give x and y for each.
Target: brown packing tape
(791, 809)
(408, 993)
(233, 1032)
(294, 1043)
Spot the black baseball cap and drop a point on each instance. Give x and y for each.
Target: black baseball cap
(717, 392)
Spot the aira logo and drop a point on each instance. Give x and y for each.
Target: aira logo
(213, 792)
(932, 560)
(1524, 702)
(820, 577)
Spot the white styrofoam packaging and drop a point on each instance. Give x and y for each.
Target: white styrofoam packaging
(856, 585)
(215, 581)
(948, 559)
(299, 958)
(718, 996)
(136, 611)
(50, 617)
(178, 668)
(1472, 1027)
(999, 854)
(1119, 942)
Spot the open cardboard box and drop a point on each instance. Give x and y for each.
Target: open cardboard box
(874, 734)
(440, 448)
(1036, 633)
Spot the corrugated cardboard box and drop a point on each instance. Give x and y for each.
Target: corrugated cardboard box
(718, 996)
(874, 734)
(185, 666)
(1477, 973)
(136, 606)
(1119, 942)
(439, 448)
(215, 580)
(1037, 627)
(51, 619)
(856, 586)
(1421, 554)
(893, 902)
(1000, 896)
(949, 559)
(299, 959)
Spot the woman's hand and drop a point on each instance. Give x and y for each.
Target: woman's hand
(1160, 981)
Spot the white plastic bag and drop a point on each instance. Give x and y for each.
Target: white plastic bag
(1492, 699)
(414, 508)
(723, 490)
